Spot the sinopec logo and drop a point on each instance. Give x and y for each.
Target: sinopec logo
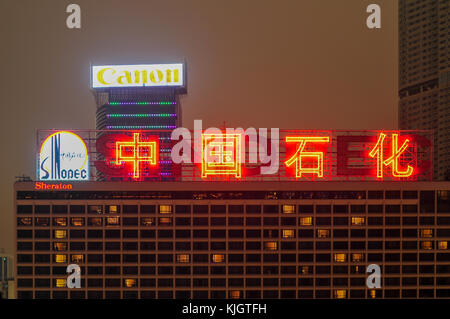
(63, 157)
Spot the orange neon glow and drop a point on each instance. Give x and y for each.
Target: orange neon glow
(300, 155)
(221, 154)
(393, 160)
(140, 152)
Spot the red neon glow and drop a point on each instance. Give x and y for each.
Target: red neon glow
(393, 160)
(300, 155)
(45, 186)
(221, 155)
(137, 152)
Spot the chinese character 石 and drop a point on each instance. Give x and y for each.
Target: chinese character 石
(301, 156)
(221, 154)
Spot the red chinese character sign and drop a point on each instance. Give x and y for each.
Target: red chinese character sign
(308, 162)
(132, 156)
(221, 155)
(138, 153)
(282, 155)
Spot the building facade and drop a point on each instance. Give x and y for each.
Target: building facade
(233, 239)
(134, 101)
(6, 276)
(424, 74)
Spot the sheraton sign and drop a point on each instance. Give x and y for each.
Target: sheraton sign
(255, 155)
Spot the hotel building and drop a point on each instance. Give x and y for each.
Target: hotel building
(234, 239)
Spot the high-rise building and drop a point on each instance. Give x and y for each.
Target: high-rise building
(140, 97)
(424, 74)
(233, 240)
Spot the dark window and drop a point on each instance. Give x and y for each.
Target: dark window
(200, 209)
(253, 209)
(183, 209)
(427, 201)
(42, 209)
(218, 209)
(130, 209)
(148, 209)
(24, 209)
(59, 209)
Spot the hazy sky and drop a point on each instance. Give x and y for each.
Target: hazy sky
(301, 64)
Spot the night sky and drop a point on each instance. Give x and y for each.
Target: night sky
(304, 64)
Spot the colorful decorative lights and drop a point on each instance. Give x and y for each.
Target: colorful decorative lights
(137, 152)
(140, 127)
(393, 160)
(143, 103)
(300, 155)
(142, 115)
(221, 154)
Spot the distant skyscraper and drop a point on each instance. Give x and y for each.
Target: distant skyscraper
(424, 74)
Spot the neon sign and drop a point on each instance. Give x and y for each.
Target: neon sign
(393, 160)
(45, 186)
(301, 156)
(63, 156)
(106, 76)
(221, 154)
(137, 152)
(286, 155)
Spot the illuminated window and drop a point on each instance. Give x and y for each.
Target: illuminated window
(183, 258)
(112, 221)
(77, 221)
(60, 233)
(218, 258)
(147, 221)
(130, 283)
(373, 293)
(340, 293)
(270, 245)
(60, 258)
(323, 233)
(61, 283)
(288, 233)
(426, 233)
(95, 221)
(357, 221)
(305, 221)
(165, 221)
(42, 221)
(442, 244)
(165, 209)
(24, 221)
(357, 257)
(235, 294)
(288, 209)
(113, 209)
(305, 270)
(60, 246)
(427, 245)
(77, 258)
(340, 258)
(59, 221)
